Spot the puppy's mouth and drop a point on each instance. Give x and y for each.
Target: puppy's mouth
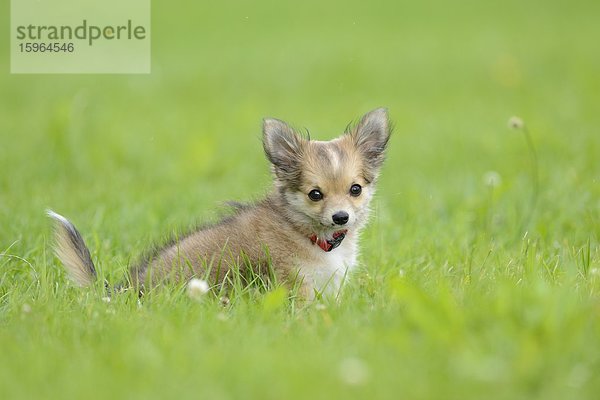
(329, 244)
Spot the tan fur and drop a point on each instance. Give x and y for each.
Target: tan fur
(274, 235)
(283, 223)
(246, 236)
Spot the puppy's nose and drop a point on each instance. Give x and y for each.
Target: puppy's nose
(340, 217)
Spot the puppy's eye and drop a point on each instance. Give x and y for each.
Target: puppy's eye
(355, 190)
(315, 195)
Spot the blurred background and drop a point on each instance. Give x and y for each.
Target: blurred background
(150, 153)
(454, 290)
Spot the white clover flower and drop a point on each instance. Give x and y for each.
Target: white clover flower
(515, 123)
(354, 371)
(579, 375)
(224, 301)
(492, 179)
(196, 288)
(222, 317)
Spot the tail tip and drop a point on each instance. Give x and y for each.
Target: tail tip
(56, 216)
(71, 250)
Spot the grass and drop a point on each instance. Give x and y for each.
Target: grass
(456, 298)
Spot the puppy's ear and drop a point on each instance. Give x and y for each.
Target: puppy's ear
(283, 148)
(370, 137)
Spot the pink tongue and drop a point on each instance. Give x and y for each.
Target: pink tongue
(339, 233)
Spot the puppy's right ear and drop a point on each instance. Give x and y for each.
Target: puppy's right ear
(283, 148)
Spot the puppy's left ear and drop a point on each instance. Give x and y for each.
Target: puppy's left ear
(370, 137)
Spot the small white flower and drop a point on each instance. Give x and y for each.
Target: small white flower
(354, 371)
(196, 288)
(222, 317)
(579, 375)
(515, 123)
(492, 179)
(25, 308)
(106, 299)
(224, 301)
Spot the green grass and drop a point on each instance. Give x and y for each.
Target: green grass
(454, 300)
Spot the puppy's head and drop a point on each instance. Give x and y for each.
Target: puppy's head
(328, 185)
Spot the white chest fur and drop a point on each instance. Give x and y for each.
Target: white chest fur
(327, 271)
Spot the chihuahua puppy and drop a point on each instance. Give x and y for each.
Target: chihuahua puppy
(305, 231)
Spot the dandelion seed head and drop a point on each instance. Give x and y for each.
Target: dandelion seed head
(515, 123)
(354, 371)
(196, 288)
(492, 179)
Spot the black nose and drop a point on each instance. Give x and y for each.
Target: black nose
(340, 217)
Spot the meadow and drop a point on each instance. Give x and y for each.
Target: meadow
(480, 269)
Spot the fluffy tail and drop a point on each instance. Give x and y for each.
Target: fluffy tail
(72, 251)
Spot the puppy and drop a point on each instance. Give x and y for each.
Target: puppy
(305, 231)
